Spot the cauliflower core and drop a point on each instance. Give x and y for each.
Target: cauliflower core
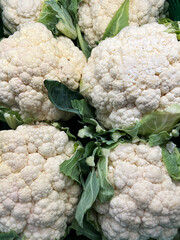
(95, 15)
(146, 202)
(18, 12)
(35, 198)
(27, 58)
(133, 74)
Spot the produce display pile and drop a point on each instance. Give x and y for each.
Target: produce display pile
(89, 120)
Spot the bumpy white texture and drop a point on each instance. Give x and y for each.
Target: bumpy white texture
(35, 198)
(133, 74)
(18, 12)
(95, 15)
(27, 58)
(146, 202)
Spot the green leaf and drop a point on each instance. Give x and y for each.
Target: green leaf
(73, 9)
(159, 139)
(59, 17)
(84, 110)
(12, 235)
(91, 159)
(163, 137)
(119, 21)
(64, 3)
(160, 121)
(88, 197)
(87, 230)
(92, 218)
(13, 118)
(70, 167)
(70, 101)
(86, 132)
(61, 96)
(106, 190)
(172, 26)
(158, 127)
(65, 24)
(171, 159)
(133, 131)
(83, 43)
(48, 18)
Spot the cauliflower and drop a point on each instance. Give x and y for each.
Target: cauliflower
(35, 198)
(133, 74)
(146, 202)
(95, 15)
(18, 12)
(27, 58)
(54, 14)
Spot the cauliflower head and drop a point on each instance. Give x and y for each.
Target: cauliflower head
(95, 15)
(133, 74)
(27, 58)
(146, 202)
(35, 198)
(18, 12)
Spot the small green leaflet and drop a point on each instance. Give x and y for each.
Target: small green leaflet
(70, 167)
(13, 118)
(87, 131)
(65, 129)
(171, 159)
(107, 137)
(119, 21)
(106, 190)
(90, 160)
(89, 195)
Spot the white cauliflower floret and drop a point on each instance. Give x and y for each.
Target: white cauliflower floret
(27, 58)
(95, 15)
(146, 202)
(35, 198)
(18, 12)
(133, 74)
